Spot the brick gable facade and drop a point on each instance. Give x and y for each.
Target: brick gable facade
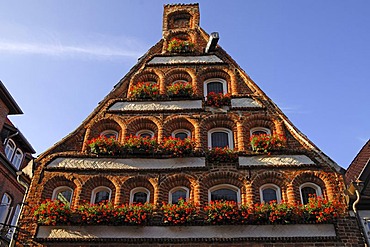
(71, 164)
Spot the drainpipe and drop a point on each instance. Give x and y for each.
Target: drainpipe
(359, 221)
(26, 186)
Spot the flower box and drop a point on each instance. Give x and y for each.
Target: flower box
(218, 99)
(145, 90)
(180, 46)
(221, 155)
(265, 143)
(180, 90)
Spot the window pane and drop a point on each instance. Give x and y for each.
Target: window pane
(17, 159)
(306, 192)
(224, 195)
(215, 87)
(110, 135)
(101, 196)
(9, 149)
(259, 132)
(181, 135)
(219, 139)
(140, 197)
(177, 195)
(146, 135)
(4, 208)
(65, 196)
(269, 195)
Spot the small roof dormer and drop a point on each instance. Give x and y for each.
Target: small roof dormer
(180, 17)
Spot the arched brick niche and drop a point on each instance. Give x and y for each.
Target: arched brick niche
(137, 124)
(95, 182)
(215, 73)
(218, 121)
(149, 75)
(174, 123)
(317, 178)
(136, 182)
(178, 74)
(55, 182)
(221, 178)
(102, 125)
(180, 19)
(269, 177)
(173, 181)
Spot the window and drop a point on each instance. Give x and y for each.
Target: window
(100, 194)
(64, 194)
(6, 200)
(220, 137)
(224, 192)
(17, 159)
(181, 134)
(308, 189)
(177, 193)
(110, 134)
(9, 149)
(145, 133)
(215, 85)
(260, 131)
(139, 195)
(270, 192)
(14, 222)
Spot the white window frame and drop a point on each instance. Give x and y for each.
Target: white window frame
(225, 186)
(139, 189)
(176, 189)
(9, 151)
(98, 189)
(17, 158)
(313, 186)
(181, 131)
(145, 131)
(225, 130)
(14, 222)
(59, 189)
(105, 132)
(263, 129)
(224, 85)
(271, 186)
(6, 201)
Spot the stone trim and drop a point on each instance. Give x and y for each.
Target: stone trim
(184, 233)
(185, 60)
(276, 160)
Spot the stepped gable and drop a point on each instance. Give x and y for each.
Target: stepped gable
(182, 21)
(185, 86)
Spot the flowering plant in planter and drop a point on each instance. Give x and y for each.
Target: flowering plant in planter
(322, 210)
(218, 99)
(180, 89)
(264, 143)
(180, 213)
(180, 46)
(145, 90)
(138, 144)
(104, 146)
(52, 212)
(222, 212)
(221, 155)
(177, 147)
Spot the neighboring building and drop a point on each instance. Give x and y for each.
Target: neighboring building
(154, 100)
(358, 183)
(15, 154)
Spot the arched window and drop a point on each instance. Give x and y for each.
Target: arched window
(100, 194)
(260, 131)
(14, 222)
(181, 134)
(9, 149)
(220, 137)
(110, 134)
(224, 192)
(139, 195)
(17, 159)
(177, 193)
(145, 133)
(309, 189)
(6, 200)
(215, 85)
(64, 194)
(270, 192)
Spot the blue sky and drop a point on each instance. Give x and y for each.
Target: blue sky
(312, 58)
